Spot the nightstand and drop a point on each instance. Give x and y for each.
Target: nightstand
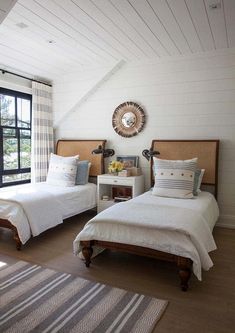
(117, 187)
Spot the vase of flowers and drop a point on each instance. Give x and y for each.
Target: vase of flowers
(114, 167)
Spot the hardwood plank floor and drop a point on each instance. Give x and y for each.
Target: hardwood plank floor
(207, 307)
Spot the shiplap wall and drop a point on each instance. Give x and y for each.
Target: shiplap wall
(184, 98)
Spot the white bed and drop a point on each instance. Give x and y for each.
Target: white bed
(29, 209)
(34, 208)
(175, 230)
(165, 224)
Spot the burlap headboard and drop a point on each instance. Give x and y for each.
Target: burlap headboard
(206, 151)
(83, 148)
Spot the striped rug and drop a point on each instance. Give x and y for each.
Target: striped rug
(36, 299)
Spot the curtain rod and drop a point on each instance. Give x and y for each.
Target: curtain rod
(23, 77)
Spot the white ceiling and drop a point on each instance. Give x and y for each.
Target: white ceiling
(62, 35)
(5, 7)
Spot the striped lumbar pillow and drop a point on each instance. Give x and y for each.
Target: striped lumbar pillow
(62, 170)
(174, 178)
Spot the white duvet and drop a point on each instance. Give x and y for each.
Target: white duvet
(34, 208)
(178, 226)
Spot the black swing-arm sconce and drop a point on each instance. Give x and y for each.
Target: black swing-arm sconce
(148, 153)
(105, 152)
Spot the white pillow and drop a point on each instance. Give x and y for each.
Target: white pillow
(62, 170)
(174, 178)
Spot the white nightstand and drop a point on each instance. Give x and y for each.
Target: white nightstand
(108, 185)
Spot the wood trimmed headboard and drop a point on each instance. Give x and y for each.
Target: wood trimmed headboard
(83, 148)
(207, 152)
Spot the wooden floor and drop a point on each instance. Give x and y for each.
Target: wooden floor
(207, 307)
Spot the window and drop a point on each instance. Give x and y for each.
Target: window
(15, 137)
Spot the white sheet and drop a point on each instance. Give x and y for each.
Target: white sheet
(178, 226)
(34, 208)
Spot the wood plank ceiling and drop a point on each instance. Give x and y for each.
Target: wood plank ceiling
(46, 38)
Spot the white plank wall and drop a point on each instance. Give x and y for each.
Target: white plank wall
(190, 97)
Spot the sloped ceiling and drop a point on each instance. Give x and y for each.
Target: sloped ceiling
(46, 38)
(5, 7)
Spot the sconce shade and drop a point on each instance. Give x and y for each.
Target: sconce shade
(106, 152)
(148, 153)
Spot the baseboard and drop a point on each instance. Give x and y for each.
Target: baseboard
(226, 221)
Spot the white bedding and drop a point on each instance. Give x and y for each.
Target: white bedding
(179, 226)
(34, 208)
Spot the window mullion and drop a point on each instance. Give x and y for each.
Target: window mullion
(18, 146)
(16, 107)
(1, 156)
(17, 133)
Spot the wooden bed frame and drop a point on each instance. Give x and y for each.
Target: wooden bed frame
(207, 153)
(83, 148)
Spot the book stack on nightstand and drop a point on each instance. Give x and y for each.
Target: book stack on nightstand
(113, 189)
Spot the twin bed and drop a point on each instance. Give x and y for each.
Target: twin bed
(176, 230)
(30, 209)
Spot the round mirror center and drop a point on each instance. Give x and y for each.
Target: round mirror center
(129, 119)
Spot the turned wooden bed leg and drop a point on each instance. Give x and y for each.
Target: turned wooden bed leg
(17, 240)
(87, 252)
(7, 224)
(185, 266)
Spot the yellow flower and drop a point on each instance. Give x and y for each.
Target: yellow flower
(115, 166)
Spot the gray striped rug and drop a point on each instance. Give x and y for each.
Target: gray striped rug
(36, 299)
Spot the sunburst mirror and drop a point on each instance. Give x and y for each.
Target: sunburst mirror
(128, 119)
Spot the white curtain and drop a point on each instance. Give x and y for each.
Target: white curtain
(42, 131)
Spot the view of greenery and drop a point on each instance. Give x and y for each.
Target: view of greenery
(16, 136)
(10, 153)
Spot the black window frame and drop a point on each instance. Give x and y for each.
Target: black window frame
(15, 94)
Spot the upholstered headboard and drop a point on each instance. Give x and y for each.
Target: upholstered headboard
(205, 150)
(83, 148)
